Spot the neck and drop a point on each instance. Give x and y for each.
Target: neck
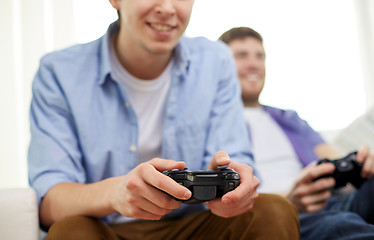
(140, 62)
(252, 104)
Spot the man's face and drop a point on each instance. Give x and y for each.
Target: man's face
(250, 62)
(153, 25)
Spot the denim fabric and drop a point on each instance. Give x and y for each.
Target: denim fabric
(345, 217)
(83, 128)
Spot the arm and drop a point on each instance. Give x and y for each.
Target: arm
(135, 195)
(58, 165)
(325, 150)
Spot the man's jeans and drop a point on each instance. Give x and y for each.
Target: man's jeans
(345, 217)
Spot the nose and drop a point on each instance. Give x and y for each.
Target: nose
(165, 7)
(252, 63)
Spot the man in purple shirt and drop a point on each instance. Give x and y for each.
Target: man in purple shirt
(285, 150)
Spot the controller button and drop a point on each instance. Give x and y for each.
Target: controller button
(343, 164)
(233, 176)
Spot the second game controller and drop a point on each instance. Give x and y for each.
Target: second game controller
(347, 170)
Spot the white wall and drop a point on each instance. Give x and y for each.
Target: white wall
(28, 30)
(365, 19)
(313, 60)
(8, 136)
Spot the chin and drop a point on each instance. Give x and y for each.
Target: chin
(161, 47)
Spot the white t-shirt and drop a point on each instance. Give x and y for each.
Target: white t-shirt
(274, 155)
(148, 99)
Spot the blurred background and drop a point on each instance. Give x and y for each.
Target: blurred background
(320, 57)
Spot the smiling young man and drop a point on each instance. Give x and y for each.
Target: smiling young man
(285, 148)
(108, 117)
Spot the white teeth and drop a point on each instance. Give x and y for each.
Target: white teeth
(160, 27)
(252, 78)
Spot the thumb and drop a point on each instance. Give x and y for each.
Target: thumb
(219, 159)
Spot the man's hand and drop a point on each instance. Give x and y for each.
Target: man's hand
(142, 192)
(241, 199)
(364, 156)
(139, 194)
(308, 195)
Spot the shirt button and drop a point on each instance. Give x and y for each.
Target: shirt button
(127, 104)
(132, 148)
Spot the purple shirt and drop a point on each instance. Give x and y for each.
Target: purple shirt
(302, 137)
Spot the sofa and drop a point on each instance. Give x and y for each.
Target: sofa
(19, 214)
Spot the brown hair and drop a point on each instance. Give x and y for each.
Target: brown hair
(239, 33)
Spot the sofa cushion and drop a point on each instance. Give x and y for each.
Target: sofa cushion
(18, 214)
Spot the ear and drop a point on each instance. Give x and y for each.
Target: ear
(115, 4)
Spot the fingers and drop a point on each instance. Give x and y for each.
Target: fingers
(317, 186)
(239, 200)
(154, 209)
(162, 182)
(219, 159)
(145, 209)
(143, 192)
(151, 194)
(311, 172)
(362, 153)
(308, 195)
(139, 213)
(364, 156)
(164, 164)
(233, 209)
(248, 183)
(368, 167)
(316, 206)
(311, 197)
(313, 202)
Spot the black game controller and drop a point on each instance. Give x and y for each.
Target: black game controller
(205, 185)
(347, 170)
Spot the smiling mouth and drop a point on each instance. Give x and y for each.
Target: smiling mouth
(161, 27)
(252, 78)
